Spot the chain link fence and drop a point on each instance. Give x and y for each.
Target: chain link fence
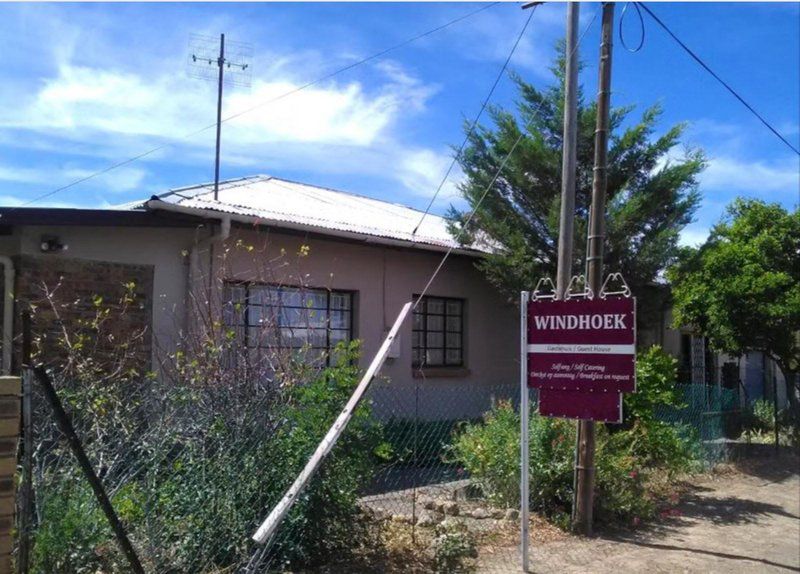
(425, 479)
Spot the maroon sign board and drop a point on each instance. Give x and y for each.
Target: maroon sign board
(586, 345)
(604, 407)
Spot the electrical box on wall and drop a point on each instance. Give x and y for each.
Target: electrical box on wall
(394, 348)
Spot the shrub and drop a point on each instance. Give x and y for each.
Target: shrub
(454, 548)
(205, 482)
(673, 447)
(763, 415)
(73, 535)
(489, 452)
(624, 455)
(656, 375)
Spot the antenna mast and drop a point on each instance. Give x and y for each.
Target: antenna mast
(203, 55)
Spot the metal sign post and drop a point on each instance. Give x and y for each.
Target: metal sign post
(524, 417)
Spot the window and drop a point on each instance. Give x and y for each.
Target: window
(313, 320)
(438, 333)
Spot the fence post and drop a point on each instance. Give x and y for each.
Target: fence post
(26, 484)
(775, 410)
(524, 417)
(65, 426)
(9, 436)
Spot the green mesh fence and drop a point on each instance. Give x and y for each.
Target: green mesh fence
(713, 412)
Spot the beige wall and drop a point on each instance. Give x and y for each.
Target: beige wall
(384, 278)
(160, 247)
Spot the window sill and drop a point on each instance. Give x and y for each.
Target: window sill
(440, 372)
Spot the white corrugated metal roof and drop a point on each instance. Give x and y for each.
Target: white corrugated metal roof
(285, 203)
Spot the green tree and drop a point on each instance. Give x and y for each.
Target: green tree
(651, 197)
(741, 289)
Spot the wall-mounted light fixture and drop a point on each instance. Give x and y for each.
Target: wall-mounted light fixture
(52, 244)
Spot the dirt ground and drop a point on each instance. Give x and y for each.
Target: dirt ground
(743, 518)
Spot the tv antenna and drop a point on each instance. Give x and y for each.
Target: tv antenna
(212, 59)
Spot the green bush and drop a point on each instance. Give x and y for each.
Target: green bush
(73, 532)
(763, 415)
(624, 455)
(489, 452)
(206, 483)
(454, 548)
(656, 377)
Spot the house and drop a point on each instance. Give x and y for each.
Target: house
(752, 377)
(357, 259)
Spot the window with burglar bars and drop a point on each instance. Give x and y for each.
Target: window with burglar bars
(277, 317)
(438, 333)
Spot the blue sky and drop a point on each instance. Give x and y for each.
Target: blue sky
(86, 85)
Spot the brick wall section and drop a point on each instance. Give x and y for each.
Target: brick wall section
(76, 283)
(10, 389)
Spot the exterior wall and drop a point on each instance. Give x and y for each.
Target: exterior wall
(384, 278)
(161, 249)
(77, 282)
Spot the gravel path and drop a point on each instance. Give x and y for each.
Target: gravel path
(745, 519)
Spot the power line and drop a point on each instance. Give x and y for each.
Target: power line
(475, 121)
(727, 86)
(328, 76)
(489, 187)
(483, 107)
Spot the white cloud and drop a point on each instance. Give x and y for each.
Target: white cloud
(121, 180)
(81, 102)
(693, 235)
(751, 177)
(422, 170)
(8, 200)
(21, 174)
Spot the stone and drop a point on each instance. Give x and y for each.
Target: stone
(429, 518)
(450, 508)
(481, 513)
(427, 503)
(498, 513)
(512, 514)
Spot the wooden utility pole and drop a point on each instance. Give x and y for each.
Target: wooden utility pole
(584, 499)
(569, 153)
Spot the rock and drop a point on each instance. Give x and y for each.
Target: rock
(498, 513)
(429, 518)
(480, 513)
(401, 518)
(450, 508)
(467, 491)
(439, 506)
(450, 522)
(427, 503)
(512, 514)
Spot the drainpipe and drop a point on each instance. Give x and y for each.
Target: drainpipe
(194, 264)
(194, 254)
(8, 312)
